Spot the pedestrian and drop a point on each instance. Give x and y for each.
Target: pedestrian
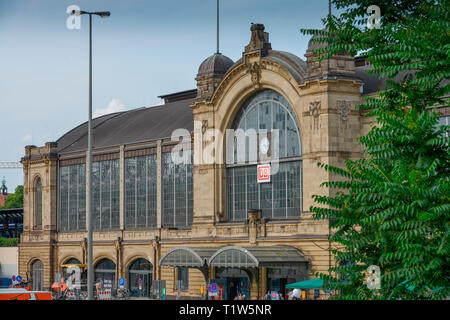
(267, 296)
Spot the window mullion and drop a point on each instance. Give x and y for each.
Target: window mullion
(174, 195)
(100, 188)
(68, 200)
(135, 192)
(246, 209)
(286, 185)
(233, 200)
(186, 200)
(147, 159)
(110, 192)
(78, 197)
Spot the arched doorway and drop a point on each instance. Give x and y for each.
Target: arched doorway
(235, 281)
(37, 275)
(140, 269)
(105, 274)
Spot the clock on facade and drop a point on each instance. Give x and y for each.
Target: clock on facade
(264, 145)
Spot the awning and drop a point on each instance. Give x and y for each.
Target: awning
(254, 257)
(307, 284)
(187, 257)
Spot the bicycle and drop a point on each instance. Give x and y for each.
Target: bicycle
(123, 294)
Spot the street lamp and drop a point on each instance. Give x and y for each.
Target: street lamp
(90, 284)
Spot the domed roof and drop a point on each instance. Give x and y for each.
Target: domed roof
(217, 64)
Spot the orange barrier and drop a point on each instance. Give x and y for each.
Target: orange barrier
(23, 294)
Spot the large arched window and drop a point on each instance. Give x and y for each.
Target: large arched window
(105, 273)
(140, 278)
(73, 261)
(38, 204)
(276, 134)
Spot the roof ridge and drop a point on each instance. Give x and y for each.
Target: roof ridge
(98, 125)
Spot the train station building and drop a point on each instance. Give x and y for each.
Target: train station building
(192, 221)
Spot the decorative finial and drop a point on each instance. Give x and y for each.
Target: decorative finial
(259, 39)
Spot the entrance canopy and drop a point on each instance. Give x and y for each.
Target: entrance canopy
(186, 257)
(254, 257)
(233, 257)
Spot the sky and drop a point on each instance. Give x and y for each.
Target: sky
(146, 48)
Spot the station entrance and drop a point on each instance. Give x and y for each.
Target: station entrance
(237, 269)
(235, 281)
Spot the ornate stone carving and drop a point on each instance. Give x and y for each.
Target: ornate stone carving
(259, 39)
(343, 108)
(255, 71)
(204, 126)
(314, 112)
(254, 220)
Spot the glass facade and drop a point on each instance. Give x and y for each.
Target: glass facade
(282, 197)
(141, 192)
(72, 198)
(177, 192)
(106, 194)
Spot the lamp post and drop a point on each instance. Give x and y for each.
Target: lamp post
(90, 282)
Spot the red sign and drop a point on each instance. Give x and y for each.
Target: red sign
(264, 173)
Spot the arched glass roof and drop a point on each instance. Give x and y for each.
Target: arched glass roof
(186, 257)
(253, 257)
(233, 257)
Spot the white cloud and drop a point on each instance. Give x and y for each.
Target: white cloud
(115, 105)
(27, 138)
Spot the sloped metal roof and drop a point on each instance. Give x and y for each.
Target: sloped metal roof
(138, 125)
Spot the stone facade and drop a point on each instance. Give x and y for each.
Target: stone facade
(323, 99)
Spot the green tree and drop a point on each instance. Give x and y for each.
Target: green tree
(392, 208)
(15, 200)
